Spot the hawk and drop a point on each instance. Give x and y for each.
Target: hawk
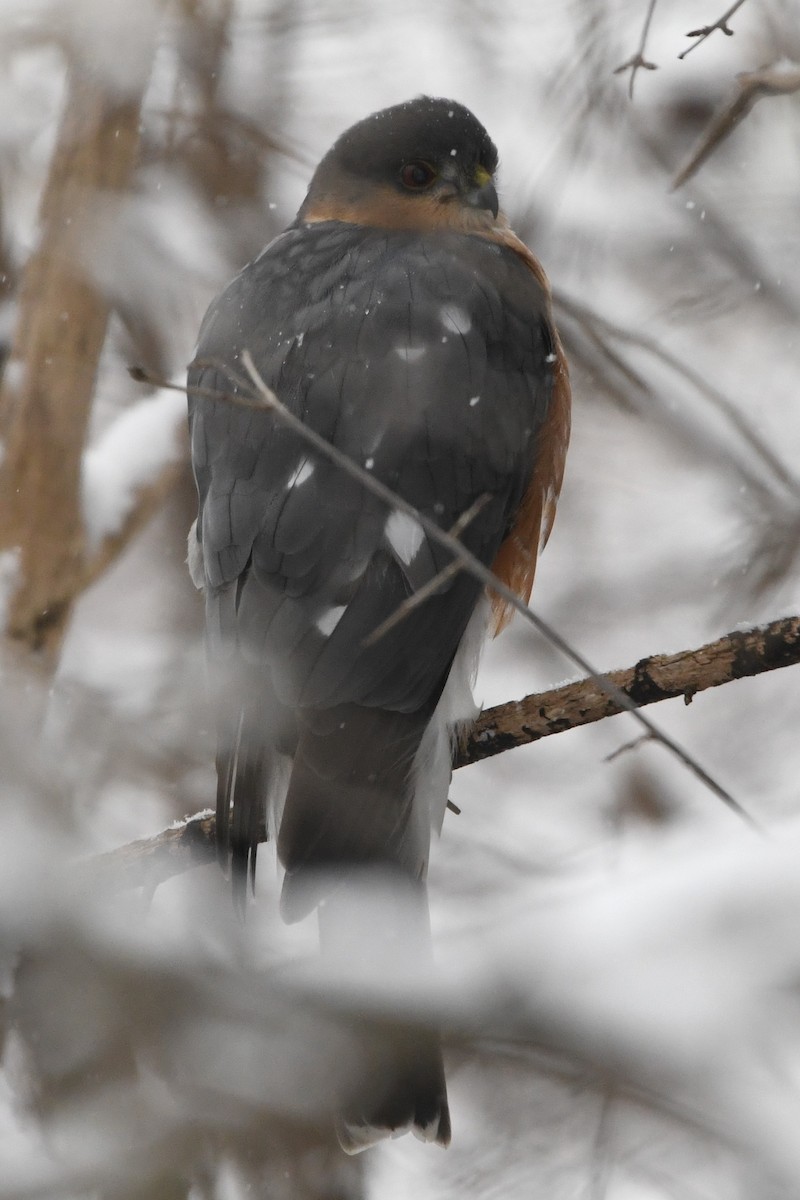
(402, 320)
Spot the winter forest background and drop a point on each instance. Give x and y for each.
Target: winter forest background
(618, 950)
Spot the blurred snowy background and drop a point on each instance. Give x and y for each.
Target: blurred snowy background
(620, 956)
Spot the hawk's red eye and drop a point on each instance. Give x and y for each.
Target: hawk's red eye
(417, 175)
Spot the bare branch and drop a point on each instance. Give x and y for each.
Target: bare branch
(150, 861)
(661, 677)
(637, 61)
(706, 30)
(779, 79)
(736, 655)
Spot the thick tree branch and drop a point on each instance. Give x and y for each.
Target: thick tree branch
(150, 861)
(737, 655)
(49, 380)
(661, 677)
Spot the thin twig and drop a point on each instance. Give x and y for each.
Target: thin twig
(706, 30)
(638, 61)
(432, 586)
(626, 747)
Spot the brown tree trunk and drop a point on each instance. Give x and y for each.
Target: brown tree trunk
(47, 391)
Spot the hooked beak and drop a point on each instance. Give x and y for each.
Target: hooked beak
(483, 194)
(484, 197)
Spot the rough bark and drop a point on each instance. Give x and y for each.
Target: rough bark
(659, 677)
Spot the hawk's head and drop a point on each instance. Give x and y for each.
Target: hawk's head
(424, 164)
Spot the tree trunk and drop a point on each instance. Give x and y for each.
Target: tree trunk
(47, 391)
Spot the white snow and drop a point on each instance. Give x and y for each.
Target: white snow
(126, 458)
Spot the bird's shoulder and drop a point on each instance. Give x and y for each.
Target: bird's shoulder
(316, 278)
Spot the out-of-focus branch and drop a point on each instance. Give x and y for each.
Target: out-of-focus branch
(706, 30)
(779, 79)
(49, 380)
(188, 125)
(737, 655)
(637, 61)
(600, 329)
